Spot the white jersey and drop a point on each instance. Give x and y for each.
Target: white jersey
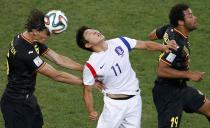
(112, 67)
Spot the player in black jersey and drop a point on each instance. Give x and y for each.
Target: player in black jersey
(171, 94)
(18, 104)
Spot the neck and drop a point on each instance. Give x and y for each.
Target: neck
(183, 30)
(101, 47)
(28, 36)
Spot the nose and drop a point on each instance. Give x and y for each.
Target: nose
(195, 17)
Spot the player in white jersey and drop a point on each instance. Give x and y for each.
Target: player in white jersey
(110, 64)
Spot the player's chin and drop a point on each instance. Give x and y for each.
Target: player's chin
(43, 40)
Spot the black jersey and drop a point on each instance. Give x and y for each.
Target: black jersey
(177, 59)
(161, 31)
(23, 61)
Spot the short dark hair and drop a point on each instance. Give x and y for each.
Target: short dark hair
(80, 38)
(35, 21)
(177, 14)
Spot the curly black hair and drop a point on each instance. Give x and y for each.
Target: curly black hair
(35, 21)
(177, 14)
(80, 38)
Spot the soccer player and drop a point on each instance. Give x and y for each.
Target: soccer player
(171, 93)
(18, 104)
(110, 64)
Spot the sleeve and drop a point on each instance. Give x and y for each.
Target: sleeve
(89, 75)
(33, 61)
(161, 30)
(129, 43)
(42, 48)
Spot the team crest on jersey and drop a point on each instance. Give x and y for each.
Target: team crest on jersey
(36, 49)
(119, 50)
(165, 37)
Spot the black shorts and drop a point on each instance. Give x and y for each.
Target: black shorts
(21, 111)
(171, 100)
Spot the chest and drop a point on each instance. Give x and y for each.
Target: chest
(112, 63)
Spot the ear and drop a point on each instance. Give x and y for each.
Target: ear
(181, 22)
(34, 32)
(88, 45)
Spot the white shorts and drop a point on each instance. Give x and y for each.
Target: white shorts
(121, 113)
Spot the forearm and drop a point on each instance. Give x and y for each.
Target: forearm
(68, 78)
(69, 63)
(88, 99)
(172, 73)
(153, 46)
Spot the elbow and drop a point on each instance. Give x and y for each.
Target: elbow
(160, 72)
(149, 36)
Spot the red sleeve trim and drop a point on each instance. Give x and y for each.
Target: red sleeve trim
(92, 70)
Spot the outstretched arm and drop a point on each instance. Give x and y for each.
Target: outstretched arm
(153, 46)
(59, 76)
(63, 60)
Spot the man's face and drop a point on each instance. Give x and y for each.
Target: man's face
(190, 20)
(42, 36)
(93, 36)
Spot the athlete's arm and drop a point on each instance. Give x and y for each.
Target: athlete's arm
(60, 76)
(63, 60)
(88, 99)
(153, 46)
(165, 70)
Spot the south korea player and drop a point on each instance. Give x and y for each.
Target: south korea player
(110, 64)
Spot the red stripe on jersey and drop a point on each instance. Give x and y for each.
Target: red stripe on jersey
(92, 70)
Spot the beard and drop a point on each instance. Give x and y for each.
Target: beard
(191, 27)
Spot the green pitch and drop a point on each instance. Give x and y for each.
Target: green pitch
(62, 105)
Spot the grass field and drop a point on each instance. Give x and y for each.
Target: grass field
(62, 104)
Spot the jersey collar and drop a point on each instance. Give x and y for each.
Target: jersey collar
(26, 39)
(180, 33)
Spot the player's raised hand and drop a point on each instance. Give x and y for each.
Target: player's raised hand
(93, 116)
(196, 76)
(171, 44)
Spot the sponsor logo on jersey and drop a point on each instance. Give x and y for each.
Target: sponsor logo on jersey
(102, 66)
(36, 47)
(30, 52)
(38, 61)
(119, 50)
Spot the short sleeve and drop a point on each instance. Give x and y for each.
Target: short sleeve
(42, 48)
(161, 30)
(128, 42)
(89, 75)
(33, 61)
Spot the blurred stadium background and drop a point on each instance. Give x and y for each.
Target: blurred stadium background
(62, 105)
